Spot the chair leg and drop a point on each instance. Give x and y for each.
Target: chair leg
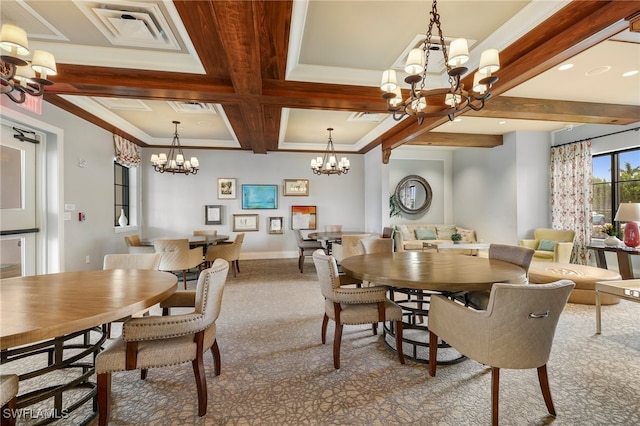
(215, 351)
(165, 312)
(325, 322)
(143, 373)
(399, 341)
(104, 398)
(237, 261)
(184, 278)
(495, 394)
(301, 263)
(433, 353)
(374, 327)
(337, 339)
(544, 386)
(201, 384)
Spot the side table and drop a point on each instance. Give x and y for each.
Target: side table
(625, 289)
(623, 254)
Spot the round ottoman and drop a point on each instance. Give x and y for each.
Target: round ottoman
(584, 276)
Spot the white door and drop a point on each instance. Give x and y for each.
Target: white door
(17, 204)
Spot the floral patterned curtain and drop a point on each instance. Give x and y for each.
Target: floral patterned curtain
(127, 153)
(571, 194)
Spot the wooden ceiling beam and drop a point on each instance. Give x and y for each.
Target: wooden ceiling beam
(575, 28)
(457, 139)
(552, 110)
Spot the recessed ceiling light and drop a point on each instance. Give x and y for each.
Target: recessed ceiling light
(630, 73)
(565, 67)
(597, 70)
(502, 122)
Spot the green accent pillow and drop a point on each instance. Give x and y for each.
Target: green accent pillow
(425, 234)
(547, 245)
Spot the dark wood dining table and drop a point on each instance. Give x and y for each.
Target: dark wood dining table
(333, 236)
(62, 315)
(414, 276)
(194, 240)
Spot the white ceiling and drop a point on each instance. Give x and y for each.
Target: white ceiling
(342, 42)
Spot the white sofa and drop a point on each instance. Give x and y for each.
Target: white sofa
(406, 238)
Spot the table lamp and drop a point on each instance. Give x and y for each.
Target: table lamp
(630, 213)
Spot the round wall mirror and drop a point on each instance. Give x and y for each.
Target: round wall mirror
(413, 195)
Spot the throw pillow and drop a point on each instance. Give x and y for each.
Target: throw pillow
(468, 235)
(547, 245)
(405, 232)
(425, 234)
(445, 231)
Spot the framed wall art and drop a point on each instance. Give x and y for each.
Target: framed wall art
(259, 197)
(213, 215)
(245, 222)
(303, 217)
(226, 188)
(292, 187)
(276, 225)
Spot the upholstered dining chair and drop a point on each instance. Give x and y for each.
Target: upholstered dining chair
(348, 246)
(306, 247)
(228, 252)
(134, 245)
(518, 255)
(177, 256)
(516, 331)
(205, 233)
(376, 245)
(8, 399)
(151, 342)
(333, 228)
(353, 306)
(148, 261)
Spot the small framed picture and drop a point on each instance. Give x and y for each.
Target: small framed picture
(292, 187)
(303, 217)
(213, 215)
(276, 225)
(245, 222)
(226, 188)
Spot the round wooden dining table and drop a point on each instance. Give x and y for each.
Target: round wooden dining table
(414, 276)
(60, 315)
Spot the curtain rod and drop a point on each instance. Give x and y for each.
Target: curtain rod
(596, 137)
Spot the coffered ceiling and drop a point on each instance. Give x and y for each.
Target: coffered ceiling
(273, 75)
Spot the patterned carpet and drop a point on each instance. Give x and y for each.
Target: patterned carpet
(275, 371)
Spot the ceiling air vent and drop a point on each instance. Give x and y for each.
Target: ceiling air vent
(368, 117)
(192, 107)
(134, 24)
(124, 104)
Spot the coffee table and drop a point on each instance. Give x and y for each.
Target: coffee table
(624, 289)
(456, 246)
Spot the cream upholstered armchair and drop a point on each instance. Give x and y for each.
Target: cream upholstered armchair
(228, 252)
(8, 401)
(551, 245)
(306, 247)
(151, 342)
(353, 306)
(148, 261)
(516, 331)
(177, 256)
(134, 245)
(520, 256)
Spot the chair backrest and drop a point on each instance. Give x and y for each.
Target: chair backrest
(206, 232)
(351, 244)
(327, 271)
(150, 261)
(229, 252)
(522, 322)
(376, 245)
(132, 240)
(517, 255)
(387, 232)
(209, 291)
(175, 253)
(333, 228)
(554, 235)
(9, 385)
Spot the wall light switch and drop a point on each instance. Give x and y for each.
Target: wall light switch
(67, 216)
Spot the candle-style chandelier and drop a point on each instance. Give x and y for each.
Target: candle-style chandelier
(19, 77)
(174, 162)
(328, 165)
(448, 101)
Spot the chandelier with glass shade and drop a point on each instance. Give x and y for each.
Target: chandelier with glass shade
(328, 164)
(19, 76)
(440, 102)
(174, 162)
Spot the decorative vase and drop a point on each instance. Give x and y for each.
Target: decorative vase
(631, 234)
(611, 240)
(122, 220)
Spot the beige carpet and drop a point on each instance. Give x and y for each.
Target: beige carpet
(275, 371)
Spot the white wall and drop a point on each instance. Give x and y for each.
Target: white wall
(173, 205)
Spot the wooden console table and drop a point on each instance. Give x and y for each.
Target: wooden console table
(623, 254)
